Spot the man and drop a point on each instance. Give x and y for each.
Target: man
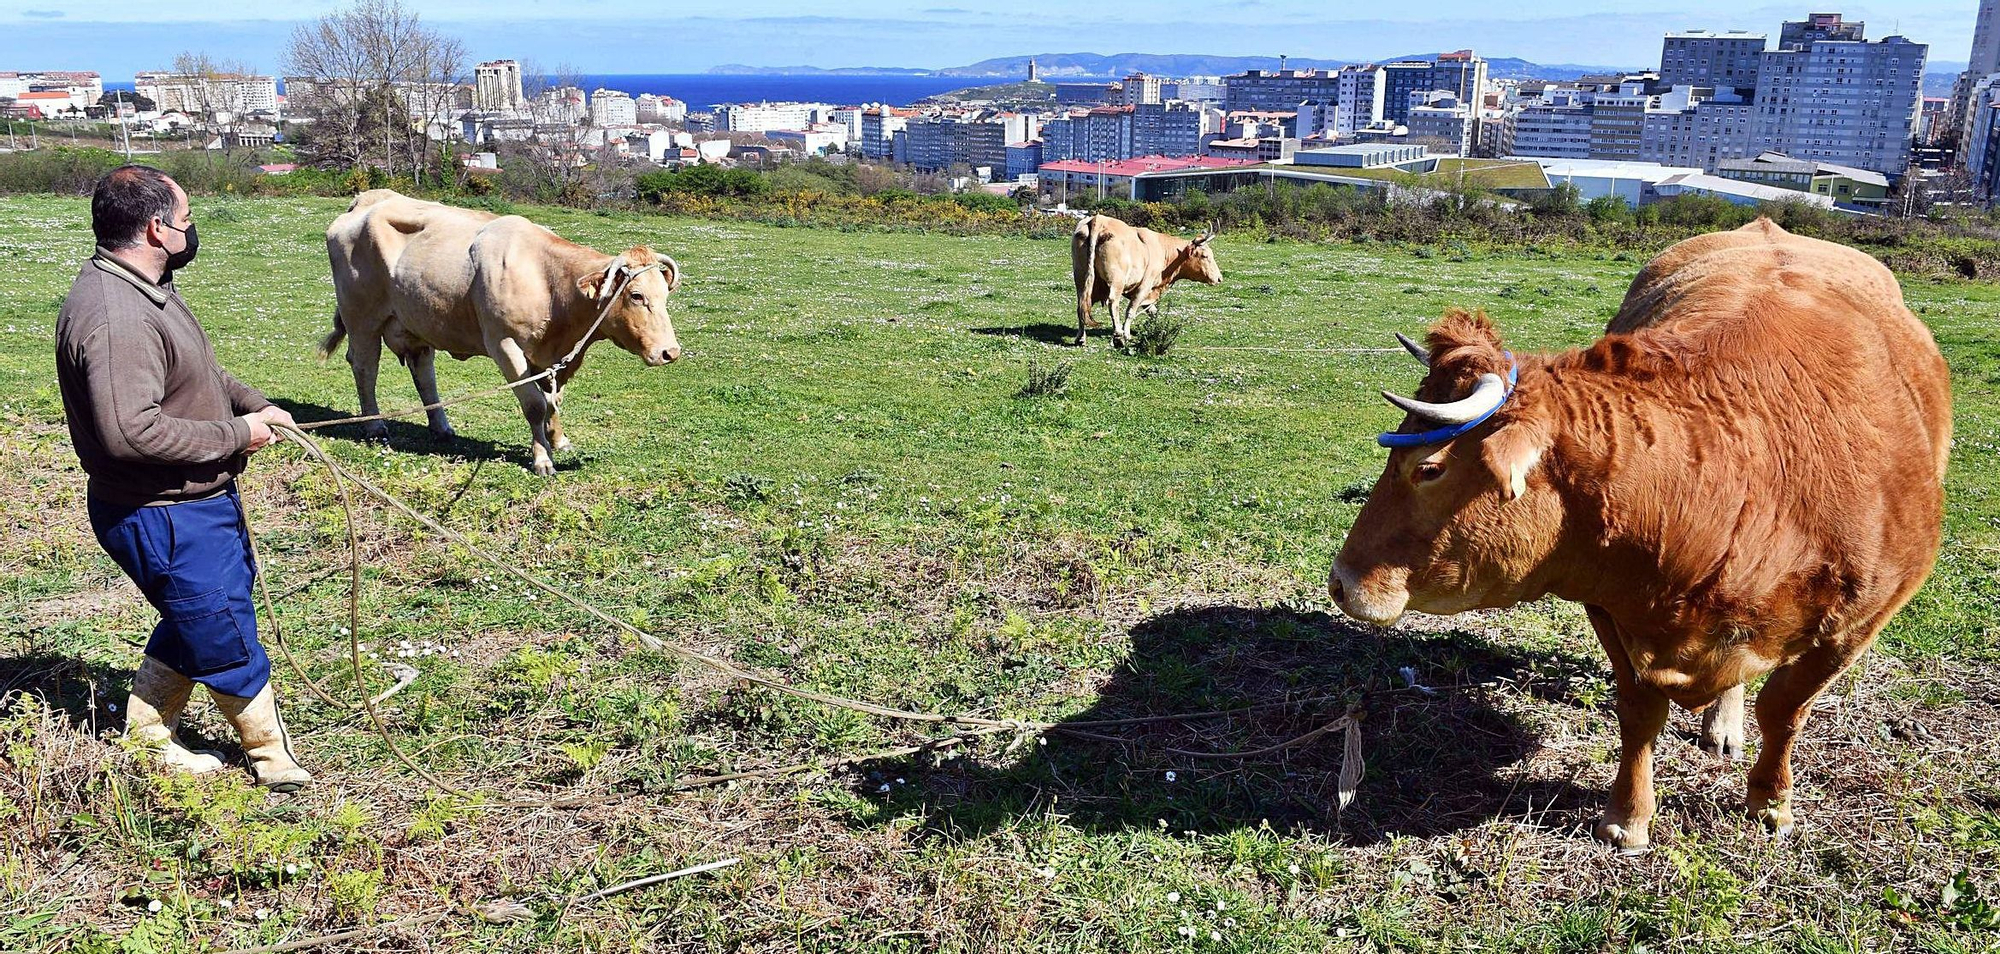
(162, 431)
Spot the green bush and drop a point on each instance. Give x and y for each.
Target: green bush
(1156, 333)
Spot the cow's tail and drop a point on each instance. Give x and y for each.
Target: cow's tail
(1087, 294)
(332, 339)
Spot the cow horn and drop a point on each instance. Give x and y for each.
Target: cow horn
(1415, 349)
(673, 273)
(1486, 397)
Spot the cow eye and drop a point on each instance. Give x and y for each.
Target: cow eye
(1428, 471)
(638, 299)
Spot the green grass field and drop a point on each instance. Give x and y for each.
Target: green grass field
(842, 485)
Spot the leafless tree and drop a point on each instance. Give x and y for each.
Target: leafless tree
(379, 85)
(211, 90)
(560, 140)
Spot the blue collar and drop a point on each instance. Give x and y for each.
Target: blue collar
(1442, 434)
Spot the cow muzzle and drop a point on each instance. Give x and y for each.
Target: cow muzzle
(666, 355)
(1377, 601)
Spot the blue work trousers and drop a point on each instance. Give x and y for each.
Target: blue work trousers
(193, 562)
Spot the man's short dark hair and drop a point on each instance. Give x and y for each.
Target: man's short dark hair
(125, 200)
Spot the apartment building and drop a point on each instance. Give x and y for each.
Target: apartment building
(1444, 124)
(1844, 101)
(1557, 127)
(879, 129)
(1707, 58)
(1359, 99)
(610, 107)
(659, 109)
(1618, 123)
(1686, 127)
(1141, 89)
(1399, 80)
(207, 95)
(757, 117)
(1283, 89)
(1462, 74)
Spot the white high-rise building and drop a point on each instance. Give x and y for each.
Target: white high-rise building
(610, 107)
(659, 109)
(1359, 98)
(200, 95)
(757, 117)
(497, 86)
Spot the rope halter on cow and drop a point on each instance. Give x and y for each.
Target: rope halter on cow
(1489, 394)
(627, 275)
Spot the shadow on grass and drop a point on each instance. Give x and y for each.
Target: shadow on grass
(411, 435)
(1435, 763)
(74, 688)
(1044, 332)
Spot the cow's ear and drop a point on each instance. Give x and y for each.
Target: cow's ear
(1511, 453)
(598, 284)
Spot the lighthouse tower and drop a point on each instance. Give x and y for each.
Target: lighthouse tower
(1034, 72)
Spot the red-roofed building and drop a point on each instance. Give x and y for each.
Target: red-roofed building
(52, 103)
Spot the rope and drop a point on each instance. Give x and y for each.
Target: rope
(976, 726)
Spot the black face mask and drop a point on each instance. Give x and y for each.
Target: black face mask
(179, 260)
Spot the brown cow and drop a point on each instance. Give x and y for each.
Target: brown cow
(1113, 261)
(1743, 476)
(424, 277)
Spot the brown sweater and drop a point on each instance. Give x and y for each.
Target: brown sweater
(153, 417)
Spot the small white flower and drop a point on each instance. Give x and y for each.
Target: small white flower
(901, 782)
(884, 790)
(1215, 935)
(1173, 776)
(1048, 872)
(1219, 906)
(1293, 867)
(111, 706)
(225, 904)
(291, 869)
(153, 906)
(1173, 897)
(262, 914)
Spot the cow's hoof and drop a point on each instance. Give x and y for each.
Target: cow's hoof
(545, 468)
(1776, 819)
(444, 433)
(1627, 842)
(1724, 748)
(375, 431)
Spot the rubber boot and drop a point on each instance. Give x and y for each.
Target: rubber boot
(153, 713)
(264, 739)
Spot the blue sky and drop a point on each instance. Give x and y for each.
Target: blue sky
(117, 37)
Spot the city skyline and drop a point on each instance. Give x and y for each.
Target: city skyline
(118, 40)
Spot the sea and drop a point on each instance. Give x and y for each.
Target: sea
(703, 90)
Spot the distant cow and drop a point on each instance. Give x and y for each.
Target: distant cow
(424, 277)
(1743, 477)
(1113, 262)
